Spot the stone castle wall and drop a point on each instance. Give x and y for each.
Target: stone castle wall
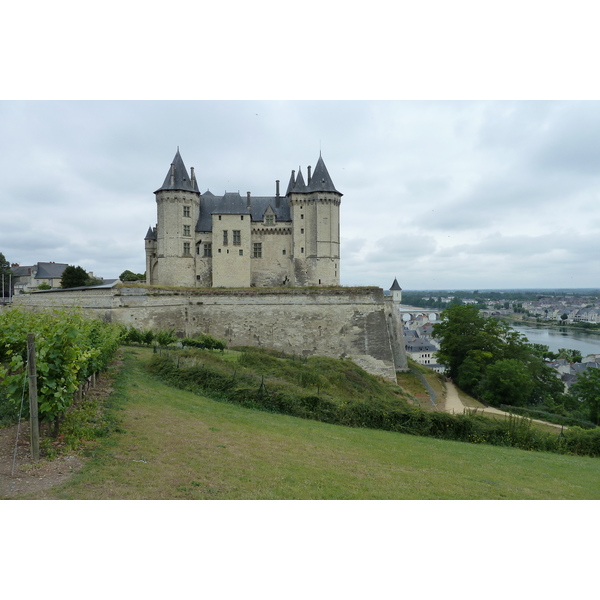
(356, 323)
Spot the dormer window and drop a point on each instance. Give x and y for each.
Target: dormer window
(269, 219)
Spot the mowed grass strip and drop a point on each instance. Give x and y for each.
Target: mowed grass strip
(179, 445)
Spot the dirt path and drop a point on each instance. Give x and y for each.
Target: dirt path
(454, 405)
(20, 475)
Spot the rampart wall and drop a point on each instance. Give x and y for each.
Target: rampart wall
(357, 323)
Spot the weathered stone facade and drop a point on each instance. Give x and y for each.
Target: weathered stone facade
(358, 323)
(203, 240)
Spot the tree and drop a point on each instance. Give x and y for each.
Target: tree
(4, 265)
(464, 331)
(128, 275)
(5, 275)
(587, 390)
(507, 381)
(74, 277)
(459, 332)
(570, 355)
(489, 359)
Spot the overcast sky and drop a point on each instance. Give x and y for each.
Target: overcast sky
(441, 195)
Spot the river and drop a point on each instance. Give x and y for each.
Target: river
(555, 338)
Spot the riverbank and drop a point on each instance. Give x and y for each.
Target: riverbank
(517, 318)
(557, 336)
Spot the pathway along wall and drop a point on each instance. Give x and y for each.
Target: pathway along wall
(357, 323)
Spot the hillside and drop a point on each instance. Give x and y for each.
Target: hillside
(174, 444)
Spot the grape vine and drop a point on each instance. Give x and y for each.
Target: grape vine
(69, 348)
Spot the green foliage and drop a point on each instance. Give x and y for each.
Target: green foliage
(69, 348)
(570, 355)
(492, 361)
(508, 378)
(130, 276)
(75, 277)
(587, 390)
(204, 342)
(146, 337)
(4, 264)
(166, 338)
(363, 402)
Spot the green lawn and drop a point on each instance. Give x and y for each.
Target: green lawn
(178, 445)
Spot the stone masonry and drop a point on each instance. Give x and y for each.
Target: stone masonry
(356, 323)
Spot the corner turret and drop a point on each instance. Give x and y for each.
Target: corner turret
(396, 291)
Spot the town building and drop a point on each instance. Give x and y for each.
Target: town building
(28, 278)
(204, 240)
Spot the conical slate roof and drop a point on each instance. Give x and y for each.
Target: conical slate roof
(299, 186)
(395, 286)
(320, 180)
(177, 177)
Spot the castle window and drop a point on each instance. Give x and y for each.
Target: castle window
(186, 248)
(186, 230)
(302, 230)
(283, 252)
(224, 236)
(301, 250)
(241, 217)
(186, 211)
(302, 216)
(207, 250)
(241, 252)
(258, 250)
(269, 219)
(237, 237)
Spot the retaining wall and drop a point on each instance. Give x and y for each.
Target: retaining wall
(357, 323)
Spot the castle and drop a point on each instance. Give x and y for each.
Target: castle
(203, 240)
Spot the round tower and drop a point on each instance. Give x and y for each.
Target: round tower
(315, 207)
(178, 210)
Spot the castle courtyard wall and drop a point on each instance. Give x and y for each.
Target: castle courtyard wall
(356, 323)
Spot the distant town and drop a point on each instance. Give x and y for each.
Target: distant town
(574, 308)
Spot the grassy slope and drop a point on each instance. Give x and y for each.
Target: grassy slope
(180, 445)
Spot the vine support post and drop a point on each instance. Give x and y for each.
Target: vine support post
(33, 401)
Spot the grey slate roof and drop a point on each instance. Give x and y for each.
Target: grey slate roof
(320, 180)
(49, 270)
(181, 180)
(232, 203)
(299, 185)
(22, 271)
(395, 285)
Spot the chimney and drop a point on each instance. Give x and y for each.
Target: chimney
(248, 201)
(309, 168)
(193, 176)
(277, 198)
(293, 176)
(172, 173)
